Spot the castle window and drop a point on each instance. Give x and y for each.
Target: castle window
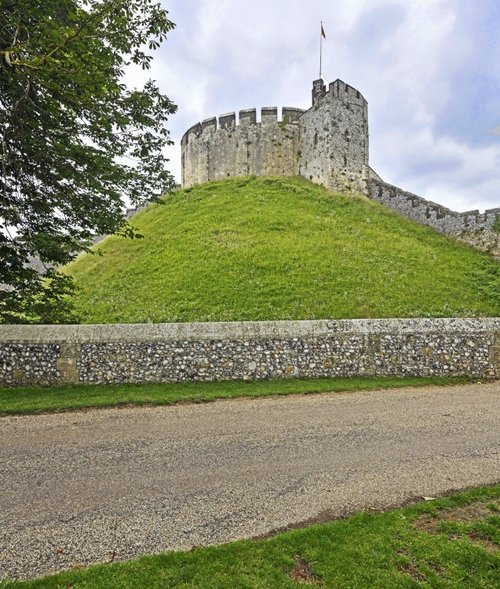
(345, 161)
(316, 138)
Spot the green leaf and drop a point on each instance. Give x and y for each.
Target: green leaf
(68, 128)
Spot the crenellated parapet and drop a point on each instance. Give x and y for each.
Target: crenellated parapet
(246, 118)
(334, 138)
(338, 90)
(430, 213)
(478, 229)
(327, 144)
(228, 146)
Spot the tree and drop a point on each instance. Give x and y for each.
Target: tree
(74, 140)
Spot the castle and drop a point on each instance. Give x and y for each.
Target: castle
(327, 144)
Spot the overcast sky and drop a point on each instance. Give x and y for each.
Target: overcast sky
(430, 70)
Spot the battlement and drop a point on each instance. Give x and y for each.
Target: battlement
(237, 144)
(327, 144)
(337, 90)
(426, 212)
(246, 117)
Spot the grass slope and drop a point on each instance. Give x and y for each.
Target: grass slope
(280, 248)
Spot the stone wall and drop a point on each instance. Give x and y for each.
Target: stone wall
(334, 138)
(217, 149)
(485, 240)
(430, 213)
(56, 354)
(471, 227)
(327, 144)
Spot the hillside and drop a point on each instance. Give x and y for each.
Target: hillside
(279, 248)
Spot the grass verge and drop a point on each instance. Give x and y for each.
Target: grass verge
(22, 400)
(451, 542)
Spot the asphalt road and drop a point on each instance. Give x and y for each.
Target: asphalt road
(107, 485)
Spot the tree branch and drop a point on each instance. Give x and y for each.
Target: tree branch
(93, 18)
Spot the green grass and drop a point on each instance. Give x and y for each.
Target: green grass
(447, 543)
(280, 248)
(19, 400)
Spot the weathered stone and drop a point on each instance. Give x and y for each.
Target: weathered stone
(227, 150)
(248, 350)
(474, 227)
(327, 144)
(67, 363)
(334, 139)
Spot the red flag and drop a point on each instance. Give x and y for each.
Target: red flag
(323, 31)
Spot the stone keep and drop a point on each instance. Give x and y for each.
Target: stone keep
(327, 144)
(334, 138)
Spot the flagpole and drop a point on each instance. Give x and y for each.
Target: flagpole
(320, 48)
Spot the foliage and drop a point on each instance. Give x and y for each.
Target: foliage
(376, 550)
(496, 224)
(74, 141)
(36, 399)
(280, 248)
(284, 122)
(48, 302)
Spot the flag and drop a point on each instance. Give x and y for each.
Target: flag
(323, 31)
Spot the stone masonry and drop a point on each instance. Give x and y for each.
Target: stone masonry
(472, 227)
(327, 144)
(334, 139)
(56, 354)
(217, 149)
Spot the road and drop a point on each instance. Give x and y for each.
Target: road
(106, 485)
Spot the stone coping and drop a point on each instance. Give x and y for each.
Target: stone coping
(241, 330)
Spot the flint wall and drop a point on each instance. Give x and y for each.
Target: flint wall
(55, 354)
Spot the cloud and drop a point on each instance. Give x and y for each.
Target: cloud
(428, 68)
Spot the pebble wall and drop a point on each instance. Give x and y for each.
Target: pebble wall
(248, 350)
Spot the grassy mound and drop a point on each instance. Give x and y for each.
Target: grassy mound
(280, 248)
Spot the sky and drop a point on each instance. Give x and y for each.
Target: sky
(429, 69)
